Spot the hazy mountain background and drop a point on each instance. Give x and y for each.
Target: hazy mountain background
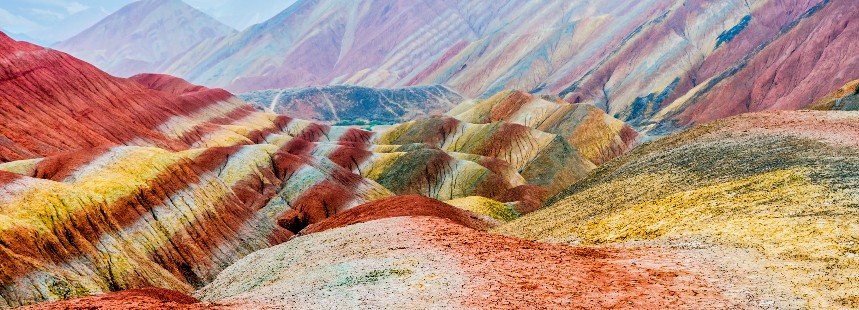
(49, 21)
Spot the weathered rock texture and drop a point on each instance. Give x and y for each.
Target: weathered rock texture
(658, 64)
(109, 184)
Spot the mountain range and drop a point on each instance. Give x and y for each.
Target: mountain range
(659, 64)
(110, 183)
(512, 154)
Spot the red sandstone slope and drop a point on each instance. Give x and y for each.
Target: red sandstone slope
(807, 62)
(166, 83)
(409, 205)
(52, 102)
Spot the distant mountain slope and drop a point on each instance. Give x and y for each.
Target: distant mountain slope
(142, 36)
(659, 64)
(315, 42)
(355, 104)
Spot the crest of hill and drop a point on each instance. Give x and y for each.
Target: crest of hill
(142, 36)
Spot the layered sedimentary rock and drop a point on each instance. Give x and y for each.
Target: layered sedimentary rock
(597, 136)
(143, 35)
(771, 194)
(533, 153)
(354, 104)
(109, 184)
(808, 59)
(658, 64)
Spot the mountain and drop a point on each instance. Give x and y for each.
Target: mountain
(355, 104)
(314, 42)
(108, 183)
(772, 192)
(661, 65)
(142, 36)
(25, 37)
(598, 137)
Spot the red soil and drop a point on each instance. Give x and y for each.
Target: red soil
(55, 103)
(408, 205)
(349, 157)
(508, 106)
(317, 203)
(166, 83)
(530, 197)
(61, 166)
(512, 273)
(840, 128)
(355, 137)
(138, 299)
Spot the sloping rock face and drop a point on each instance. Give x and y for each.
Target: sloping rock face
(53, 102)
(658, 64)
(166, 83)
(845, 98)
(408, 205)
(781, 185)
(809, 59)
(356, 105)
(143, 35)
(109, 184)
(597, 136)
(318, 42)
(533, 153)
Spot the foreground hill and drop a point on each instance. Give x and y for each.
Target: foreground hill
(142, 36)
(109, 184)
(355, 104)
(775, 193)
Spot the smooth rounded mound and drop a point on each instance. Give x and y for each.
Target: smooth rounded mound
(486, 206)
(408, 205)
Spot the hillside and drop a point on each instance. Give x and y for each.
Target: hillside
(775, 192)
(661, 65)
(108, 184)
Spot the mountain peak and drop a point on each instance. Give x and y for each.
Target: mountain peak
(142, 35)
